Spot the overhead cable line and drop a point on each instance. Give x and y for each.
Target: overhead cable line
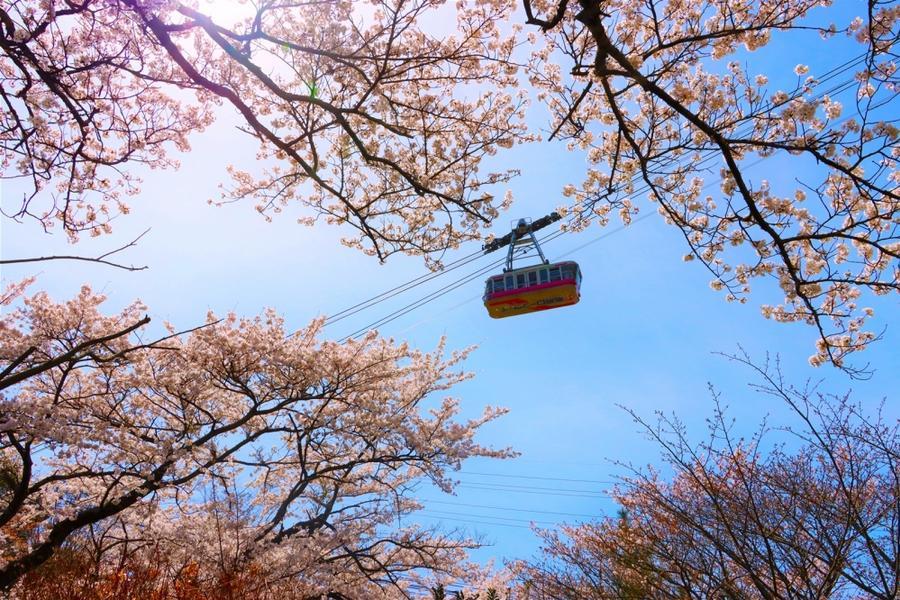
(562, 231)
(477, 516)
(602, 482)
(422, 301)
(512, 486)
(510, 509)
(439, 518)
(347, 312)
(548, 492)
(425, 299)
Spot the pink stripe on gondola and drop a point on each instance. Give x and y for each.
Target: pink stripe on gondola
(530, 288)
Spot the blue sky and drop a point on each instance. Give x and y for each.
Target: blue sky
(644, 335)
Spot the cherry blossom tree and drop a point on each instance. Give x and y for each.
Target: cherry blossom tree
(380, 116)
(817, 516)
(662, 97)
(234, 443)
(375, 115)
(299, 455)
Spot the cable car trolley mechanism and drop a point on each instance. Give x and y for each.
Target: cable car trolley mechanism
(529, 289)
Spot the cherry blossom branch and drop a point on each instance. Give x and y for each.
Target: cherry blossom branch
(9, 378)
(129, 433)
(388, 104)
(817, 515)
(101, 259)
(672, 113)
(545, 24)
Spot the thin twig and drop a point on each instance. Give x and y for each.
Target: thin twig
(98, 259)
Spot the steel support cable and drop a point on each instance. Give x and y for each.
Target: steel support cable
(828, 75)
(548, 238)
(404, 288)
(421, 301)
(710, 155)
(425, 299)
(350, 311)
(477, 255)
(432, 296)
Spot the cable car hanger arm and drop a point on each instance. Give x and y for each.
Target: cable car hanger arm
(505, 240)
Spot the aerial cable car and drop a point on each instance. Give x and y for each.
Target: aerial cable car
(529, 289)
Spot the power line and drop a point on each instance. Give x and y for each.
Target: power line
(538, 477)
(511, 509)
(537, 491)
(512, 486)
(494, 517)
(437, 517)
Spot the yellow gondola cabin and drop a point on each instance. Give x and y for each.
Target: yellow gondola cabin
(530, 289)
